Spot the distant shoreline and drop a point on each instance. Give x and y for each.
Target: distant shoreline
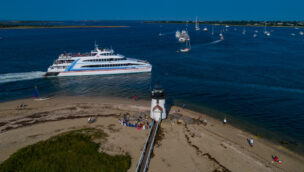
(58, 27)
(235, 23)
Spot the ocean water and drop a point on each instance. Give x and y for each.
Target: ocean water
(258, 83)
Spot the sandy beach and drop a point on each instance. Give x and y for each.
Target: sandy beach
(180, 146)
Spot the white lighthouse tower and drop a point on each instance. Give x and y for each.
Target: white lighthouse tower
(158, 110)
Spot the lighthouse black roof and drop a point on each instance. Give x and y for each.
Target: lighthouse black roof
(158, 92)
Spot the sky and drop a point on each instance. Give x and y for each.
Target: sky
(152, 10)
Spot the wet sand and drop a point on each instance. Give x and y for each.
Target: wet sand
(179, 147)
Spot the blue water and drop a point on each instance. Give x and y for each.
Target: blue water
(258, 83)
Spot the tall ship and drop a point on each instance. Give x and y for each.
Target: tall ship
(182, 36)
(97, 62)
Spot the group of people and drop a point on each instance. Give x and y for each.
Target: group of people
(139, 124)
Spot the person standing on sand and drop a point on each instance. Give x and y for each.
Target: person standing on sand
(135, 98)
(251, 142)
(225, 120)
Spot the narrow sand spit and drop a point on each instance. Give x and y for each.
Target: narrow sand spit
(180, 146)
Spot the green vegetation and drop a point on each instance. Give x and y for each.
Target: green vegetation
(71, 151)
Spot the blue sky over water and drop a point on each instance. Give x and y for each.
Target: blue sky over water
(151, 10)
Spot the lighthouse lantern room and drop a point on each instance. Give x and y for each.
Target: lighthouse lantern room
(158, 110)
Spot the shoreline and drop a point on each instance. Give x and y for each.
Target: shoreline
(59, 27)
(69, 109)
(221, 24)
(240, 124)
(254, 129)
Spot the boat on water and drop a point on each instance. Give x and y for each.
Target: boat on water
(187, 47)
(205, 29)
(212, 30)
(267, 33)
(301, 33)
(221, 36)
(177, 34)
(255, 35)
(197, 28)
(97, 62)
(184, 36)
(244, 31)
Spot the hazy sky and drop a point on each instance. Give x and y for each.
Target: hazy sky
(151, 10)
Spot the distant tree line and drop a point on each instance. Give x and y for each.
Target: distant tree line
(241, 22)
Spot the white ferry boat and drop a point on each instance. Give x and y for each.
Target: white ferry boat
(97, 62)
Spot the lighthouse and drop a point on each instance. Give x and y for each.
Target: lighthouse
(158, 110)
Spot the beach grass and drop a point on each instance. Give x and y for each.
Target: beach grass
(71, 151)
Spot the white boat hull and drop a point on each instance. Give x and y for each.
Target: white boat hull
(106, 71)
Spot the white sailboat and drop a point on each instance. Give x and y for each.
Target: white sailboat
(177, 34)
(301, 33)
(184, 36)
(187, 47)
(197, 28)
(212, 30)
(265, 31)
(221, 36)
(160, 33)
(244, 31)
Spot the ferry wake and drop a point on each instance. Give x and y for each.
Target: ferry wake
(97, 62)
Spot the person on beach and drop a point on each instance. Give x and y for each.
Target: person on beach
(184, 106)
(225, 120)
(135, 98)
(250, 142)
(276, 159)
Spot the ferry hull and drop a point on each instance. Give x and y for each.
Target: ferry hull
(105, 72)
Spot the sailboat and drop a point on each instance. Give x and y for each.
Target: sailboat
(265, 31)
(301, 33)
(244, 31)
(221, 36)
(184, 36)
(160, 33)
(177, 34)
(187, 48)
(212, 30)
(197, 28)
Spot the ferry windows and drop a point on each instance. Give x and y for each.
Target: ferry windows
(108, 65)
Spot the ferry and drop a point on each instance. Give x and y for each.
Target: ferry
(97, 62)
